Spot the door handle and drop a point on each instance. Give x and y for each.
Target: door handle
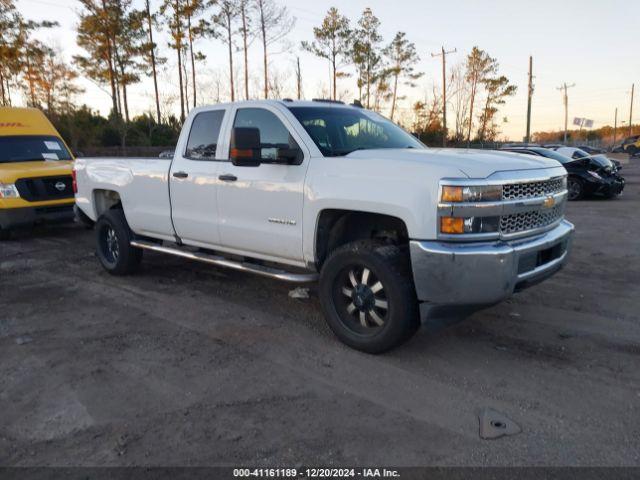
(228, 178)
(180, 174)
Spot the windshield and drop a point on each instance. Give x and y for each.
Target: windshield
(339, 131)
(31, 148)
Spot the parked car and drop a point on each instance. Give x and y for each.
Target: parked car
(35, 171)
(588, 175)
(313, 191)
(576, 153)
(591, 150)
(631, 145)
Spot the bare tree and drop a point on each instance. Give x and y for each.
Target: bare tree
(247, 32)
(153, 58)
(274, 23)
(195, 29)
(460, 99)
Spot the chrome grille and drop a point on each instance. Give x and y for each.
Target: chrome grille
(515, 191)
(521, 222)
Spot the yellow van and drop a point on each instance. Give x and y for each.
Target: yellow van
(36, 182)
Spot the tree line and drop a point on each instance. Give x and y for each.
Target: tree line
(120, 47)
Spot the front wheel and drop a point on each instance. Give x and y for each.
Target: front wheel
(575, 188)
(113, 242)
(367, 295)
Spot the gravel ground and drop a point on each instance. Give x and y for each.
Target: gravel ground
(185, 364)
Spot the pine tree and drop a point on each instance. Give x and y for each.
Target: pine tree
(402, 58)
(331, 41)
(173, 12)
(479, 67)
(225, 19)
(366, 53)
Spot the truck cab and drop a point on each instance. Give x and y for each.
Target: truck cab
(35, 171)
(306, 191)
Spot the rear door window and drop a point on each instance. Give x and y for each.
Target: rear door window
(204, 134)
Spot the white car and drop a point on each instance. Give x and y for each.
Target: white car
(305, 191)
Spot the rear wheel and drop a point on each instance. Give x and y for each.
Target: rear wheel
(113, 242)
(368, 297)
(575, 188)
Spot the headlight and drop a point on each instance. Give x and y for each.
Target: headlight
(8, 190)
(458, 225)
(594, 174)
(471, 193)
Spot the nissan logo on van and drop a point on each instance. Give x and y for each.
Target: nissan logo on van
(60, 186)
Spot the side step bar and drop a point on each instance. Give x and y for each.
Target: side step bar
(223, 262)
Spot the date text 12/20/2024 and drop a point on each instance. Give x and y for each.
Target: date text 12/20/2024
(315, 473)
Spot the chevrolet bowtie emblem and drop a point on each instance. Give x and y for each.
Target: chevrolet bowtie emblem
(549, 202)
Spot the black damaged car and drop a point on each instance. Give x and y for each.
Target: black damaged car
(588, 175)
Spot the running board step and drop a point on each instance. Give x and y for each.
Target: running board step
(223, 262)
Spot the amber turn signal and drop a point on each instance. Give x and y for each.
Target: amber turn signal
(451, 194)
(451, 225)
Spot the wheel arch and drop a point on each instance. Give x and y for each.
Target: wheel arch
(336, 227)
(104, 200)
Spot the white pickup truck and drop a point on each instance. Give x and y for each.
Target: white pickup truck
(302, 191)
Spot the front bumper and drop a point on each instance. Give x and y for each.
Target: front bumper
(613, 186)
(472, 275)
(18, 217)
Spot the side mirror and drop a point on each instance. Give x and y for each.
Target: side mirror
(290, 156)
(245, 147)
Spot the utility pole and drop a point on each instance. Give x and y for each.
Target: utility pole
(565, 100)
(298, 78)
(444, 54)
(631, 109)
(528, 136)
(615, 127)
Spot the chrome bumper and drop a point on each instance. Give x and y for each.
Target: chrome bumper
(481, 274)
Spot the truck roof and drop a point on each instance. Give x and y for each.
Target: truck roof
(287, 103)
(24, 121)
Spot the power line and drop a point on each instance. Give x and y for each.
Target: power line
(444, 54)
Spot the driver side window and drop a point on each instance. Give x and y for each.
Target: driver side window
(273, 134)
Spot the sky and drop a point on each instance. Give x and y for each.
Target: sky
(590, 43)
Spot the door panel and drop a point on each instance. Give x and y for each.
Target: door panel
(261, 211)
(193, 181)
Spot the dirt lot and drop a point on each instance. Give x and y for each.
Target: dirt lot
(185, 364)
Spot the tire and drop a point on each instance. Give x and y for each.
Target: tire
(575, 187)
(375, 311)
(5, 234)
(113, 244)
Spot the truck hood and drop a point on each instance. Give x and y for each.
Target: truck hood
(472, 163)
(10, 172)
